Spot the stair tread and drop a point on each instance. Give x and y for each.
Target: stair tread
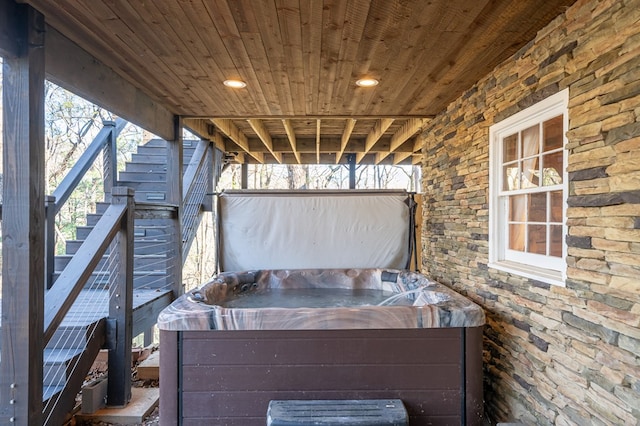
(59, 355)
(48, 391)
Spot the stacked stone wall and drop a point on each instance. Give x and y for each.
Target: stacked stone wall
(553, 355)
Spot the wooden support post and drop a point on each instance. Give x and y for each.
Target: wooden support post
(175, 197)
(110, 161)
(351, 158)
(210, 164)
(50, 239)
(23, 248)
(121, 306)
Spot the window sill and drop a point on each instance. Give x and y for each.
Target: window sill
(548, 276)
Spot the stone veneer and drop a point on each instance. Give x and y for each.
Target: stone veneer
(553, 355)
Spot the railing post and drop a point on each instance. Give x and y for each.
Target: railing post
(119, 324)
(50, 239)
(210, 163)
(174, 196)
(21, 371)
(110, 161)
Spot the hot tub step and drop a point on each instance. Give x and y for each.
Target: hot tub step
(369, 412)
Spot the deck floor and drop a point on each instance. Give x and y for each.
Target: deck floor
(92, 305)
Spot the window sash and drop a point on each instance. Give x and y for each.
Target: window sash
(546, 267)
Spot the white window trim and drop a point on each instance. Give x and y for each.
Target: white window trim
(548, 108)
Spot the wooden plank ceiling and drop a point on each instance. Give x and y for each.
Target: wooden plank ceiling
(300, 60)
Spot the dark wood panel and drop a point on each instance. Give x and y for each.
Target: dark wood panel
(169, 383)
(233, 353)
(314, 377)
(254, 404)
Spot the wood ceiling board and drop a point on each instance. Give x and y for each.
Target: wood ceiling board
(300, 59)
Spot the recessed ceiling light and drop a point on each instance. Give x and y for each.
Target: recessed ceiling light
(235, 84)
(367, 82)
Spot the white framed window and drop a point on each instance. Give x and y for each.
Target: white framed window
(528, 186)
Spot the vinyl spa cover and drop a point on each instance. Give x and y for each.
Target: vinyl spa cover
(314, 229)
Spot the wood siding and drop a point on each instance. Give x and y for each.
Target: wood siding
(230, 377)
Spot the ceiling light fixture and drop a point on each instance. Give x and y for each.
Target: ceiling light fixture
(367, 82)
(235, 84)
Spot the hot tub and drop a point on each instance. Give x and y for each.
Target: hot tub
(246, 338)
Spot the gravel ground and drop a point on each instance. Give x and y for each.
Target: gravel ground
(99, 370)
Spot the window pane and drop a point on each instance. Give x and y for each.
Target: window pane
(510, 148)
(510, 176)
(538, 207)
(516, 237)
(530, 142)
(555, 245)
(552, 168)
(530, 173)
(537, 239)
(517, 208)
(552, 133)
(556, 207)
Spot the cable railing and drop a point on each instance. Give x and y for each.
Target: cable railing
(197, 183)
(89, 304)
(105, 143)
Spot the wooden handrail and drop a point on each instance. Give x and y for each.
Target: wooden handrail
(84, 163)
(60, 298)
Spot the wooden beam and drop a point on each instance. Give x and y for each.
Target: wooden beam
(205, 130)
(71, 67)
(417, 146)
(175, 156)
(318, 141)
(23, 240)
(12, 41)
(291, 135)
(346, 134)
(232, 132)
(408, 129)
(262, 132)
(374, 135)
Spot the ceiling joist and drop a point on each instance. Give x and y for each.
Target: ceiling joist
(291, 136)
(265, 137)
(408, 129)
(232, 132)
(378, 130)
(346, 135)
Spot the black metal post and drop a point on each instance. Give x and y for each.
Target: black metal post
(351, 159)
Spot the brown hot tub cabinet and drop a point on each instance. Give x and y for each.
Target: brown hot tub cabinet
(222, 365)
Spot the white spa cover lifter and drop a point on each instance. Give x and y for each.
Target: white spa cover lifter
(314, 229)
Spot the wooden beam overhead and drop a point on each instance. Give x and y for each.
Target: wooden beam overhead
(408, 129)
(378, 130)
(346, 134)
(265, 137)
(232, 132)
(205, 130)
(291, 136)
(73, 68)
(12, 42)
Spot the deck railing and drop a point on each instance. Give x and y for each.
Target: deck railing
(104, 142)
(112, 235)
(197, 184)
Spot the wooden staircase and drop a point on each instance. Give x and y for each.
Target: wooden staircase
(74, 346)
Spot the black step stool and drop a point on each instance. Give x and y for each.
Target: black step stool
(368, 412)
